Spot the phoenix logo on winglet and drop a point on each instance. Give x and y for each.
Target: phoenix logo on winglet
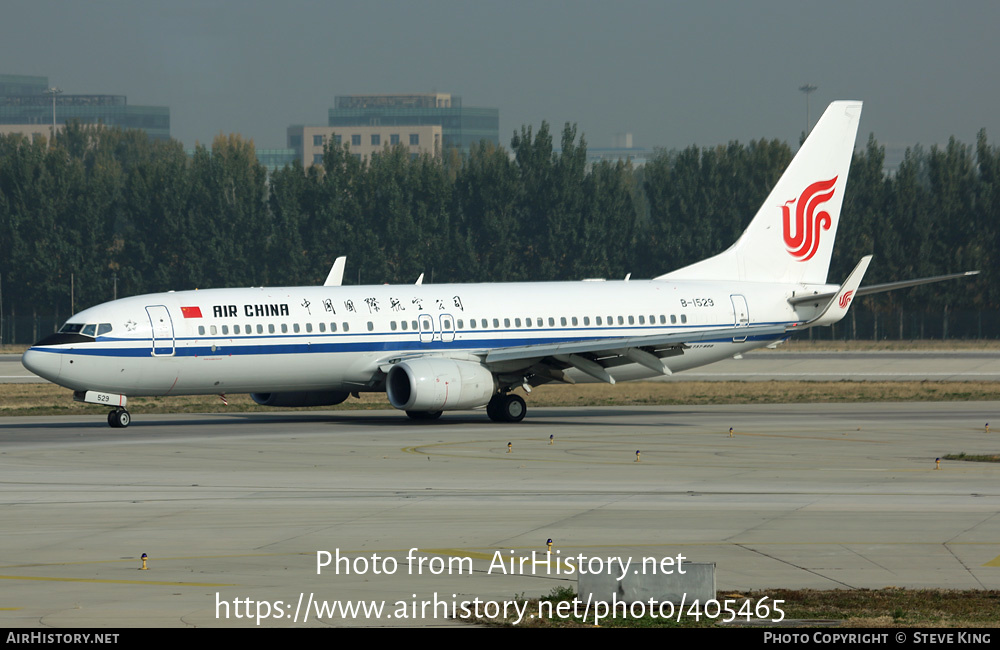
(803, 240)
(845, 299)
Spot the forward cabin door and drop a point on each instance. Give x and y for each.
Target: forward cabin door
(163, 331)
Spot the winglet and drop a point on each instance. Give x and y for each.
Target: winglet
(841, 301)
(336, 276)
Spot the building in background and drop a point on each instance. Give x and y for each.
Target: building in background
(26, 107)
(461, 127)
(275, 159)
(363, 141)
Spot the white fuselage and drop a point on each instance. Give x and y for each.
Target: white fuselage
(336, 338)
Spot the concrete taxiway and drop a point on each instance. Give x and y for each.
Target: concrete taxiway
(236, 507)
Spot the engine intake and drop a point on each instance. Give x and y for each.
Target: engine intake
(438, 384)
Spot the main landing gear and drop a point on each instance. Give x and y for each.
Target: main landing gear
(506, 408)
(119, 419)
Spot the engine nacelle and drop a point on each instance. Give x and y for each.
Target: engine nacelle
(301, 398)
(438, 384)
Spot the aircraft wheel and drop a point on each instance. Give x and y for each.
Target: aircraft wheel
(119, 418)
(423, 415)
(513, 408)
(495, 408)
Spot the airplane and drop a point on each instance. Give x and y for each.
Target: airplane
(442, 347)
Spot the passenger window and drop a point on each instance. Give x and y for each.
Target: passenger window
(284, 328)
(506, 322)
(296, 328)
(472, 323)
(333, 327)
(663, 319)
(260, 328)
(413, 325)
(586, 320)
(371, 326)
(621, 321)
(574, 321)
(225, 329)
(461, 325)
(673, 319)
(684, 318)
(496, 323)
(517, 322)
(201, 330)
(392, 326)
(213, 330)
(599, 321)
(484, 323)
(538, 321)
(552, 322)
(322, 327)
(270, 328)
(347, 327)
(446, 324)
(236, 329)
(631, 320)
(642, 319)
(562, 321)
(309, 327)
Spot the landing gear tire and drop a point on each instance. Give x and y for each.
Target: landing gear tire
(423, 415)
(506, 408)
(514, 408)
(493, 408)
(119, 419)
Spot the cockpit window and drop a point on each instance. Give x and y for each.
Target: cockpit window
(90, 329)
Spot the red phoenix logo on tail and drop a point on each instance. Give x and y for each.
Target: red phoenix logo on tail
(802, 240)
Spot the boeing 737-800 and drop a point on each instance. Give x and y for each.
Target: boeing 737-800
(435, 348)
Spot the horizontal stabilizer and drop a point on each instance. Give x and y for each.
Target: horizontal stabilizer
(880, 288)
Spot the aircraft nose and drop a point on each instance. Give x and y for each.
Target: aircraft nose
(46, 365)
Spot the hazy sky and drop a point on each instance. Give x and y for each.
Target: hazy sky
(671, 73)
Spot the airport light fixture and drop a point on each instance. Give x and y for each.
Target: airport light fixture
(53, 91)
(808, 89)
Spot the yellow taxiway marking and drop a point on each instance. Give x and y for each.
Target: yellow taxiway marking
(994, 562)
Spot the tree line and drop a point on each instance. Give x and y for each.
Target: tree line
(105, 212)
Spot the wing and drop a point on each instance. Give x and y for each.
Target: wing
(594, 356)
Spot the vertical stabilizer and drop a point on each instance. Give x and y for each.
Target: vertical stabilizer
(791, 237)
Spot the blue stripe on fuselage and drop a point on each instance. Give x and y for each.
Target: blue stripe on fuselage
(268, 348)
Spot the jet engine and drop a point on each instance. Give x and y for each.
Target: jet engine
(437, 384)
(301, 398)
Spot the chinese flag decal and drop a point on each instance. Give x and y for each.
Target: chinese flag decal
(191, 312)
